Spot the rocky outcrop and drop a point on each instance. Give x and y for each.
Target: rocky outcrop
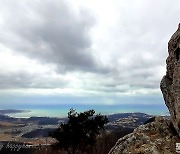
(158, 137)
(170, 84)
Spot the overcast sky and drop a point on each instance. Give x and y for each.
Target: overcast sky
(106, 52)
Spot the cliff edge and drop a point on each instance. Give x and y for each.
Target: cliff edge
(170, 84)
(161, 135)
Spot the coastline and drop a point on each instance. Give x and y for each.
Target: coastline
(62, 112)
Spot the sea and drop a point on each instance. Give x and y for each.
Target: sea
(62, 109)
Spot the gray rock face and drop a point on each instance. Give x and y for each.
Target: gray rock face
(170, 84)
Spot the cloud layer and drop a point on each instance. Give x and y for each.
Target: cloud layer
(86, 48)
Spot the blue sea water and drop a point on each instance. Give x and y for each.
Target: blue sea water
(62, 110)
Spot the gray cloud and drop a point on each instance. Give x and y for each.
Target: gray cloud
(51, 32)
(19, 80)
(14, 80)
(129, 55)
(139, 42)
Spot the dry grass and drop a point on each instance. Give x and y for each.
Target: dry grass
(5, 137)
(6, 124)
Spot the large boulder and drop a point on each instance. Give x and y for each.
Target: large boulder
(170, 84)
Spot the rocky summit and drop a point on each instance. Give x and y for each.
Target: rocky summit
(161, 135)
(158, 137)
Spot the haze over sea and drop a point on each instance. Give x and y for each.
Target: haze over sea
(61, 110)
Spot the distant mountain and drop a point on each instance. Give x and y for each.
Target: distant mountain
(141, 117)
(2, 112)
(7, 118)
